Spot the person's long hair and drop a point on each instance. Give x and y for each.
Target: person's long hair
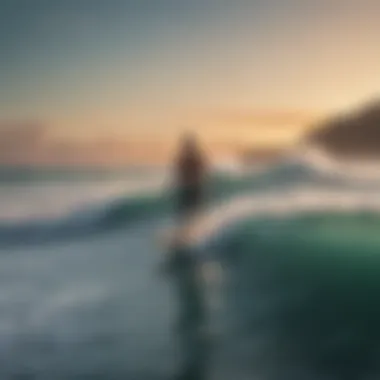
(189, 148)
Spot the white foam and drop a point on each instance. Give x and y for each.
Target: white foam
(318, 159)
(51, 200)
(280, 204)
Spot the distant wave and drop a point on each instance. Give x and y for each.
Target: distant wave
(100, 218)
(299, 184)
(27, 174)
(106, 215)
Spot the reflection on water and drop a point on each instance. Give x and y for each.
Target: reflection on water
(192, 323)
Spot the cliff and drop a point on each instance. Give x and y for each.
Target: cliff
(353, 135)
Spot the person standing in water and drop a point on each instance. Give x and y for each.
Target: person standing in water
(190, 175)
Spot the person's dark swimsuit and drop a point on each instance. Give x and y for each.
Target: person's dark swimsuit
(189, 199)
(190, 191)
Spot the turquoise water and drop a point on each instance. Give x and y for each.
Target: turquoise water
(310, 287)
(83, 297)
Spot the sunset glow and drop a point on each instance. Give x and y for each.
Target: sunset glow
(108, 75)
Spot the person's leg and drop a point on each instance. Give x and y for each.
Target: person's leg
(192, 317)
(196, 355)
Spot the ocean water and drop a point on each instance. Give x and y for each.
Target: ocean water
(287, 269)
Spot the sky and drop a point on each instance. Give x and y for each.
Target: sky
(87, 78)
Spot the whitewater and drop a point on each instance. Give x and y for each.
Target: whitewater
(82, 295)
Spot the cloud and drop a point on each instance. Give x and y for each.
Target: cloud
(21, 142)
(21, 134)
(36, 144)
(262, 117)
